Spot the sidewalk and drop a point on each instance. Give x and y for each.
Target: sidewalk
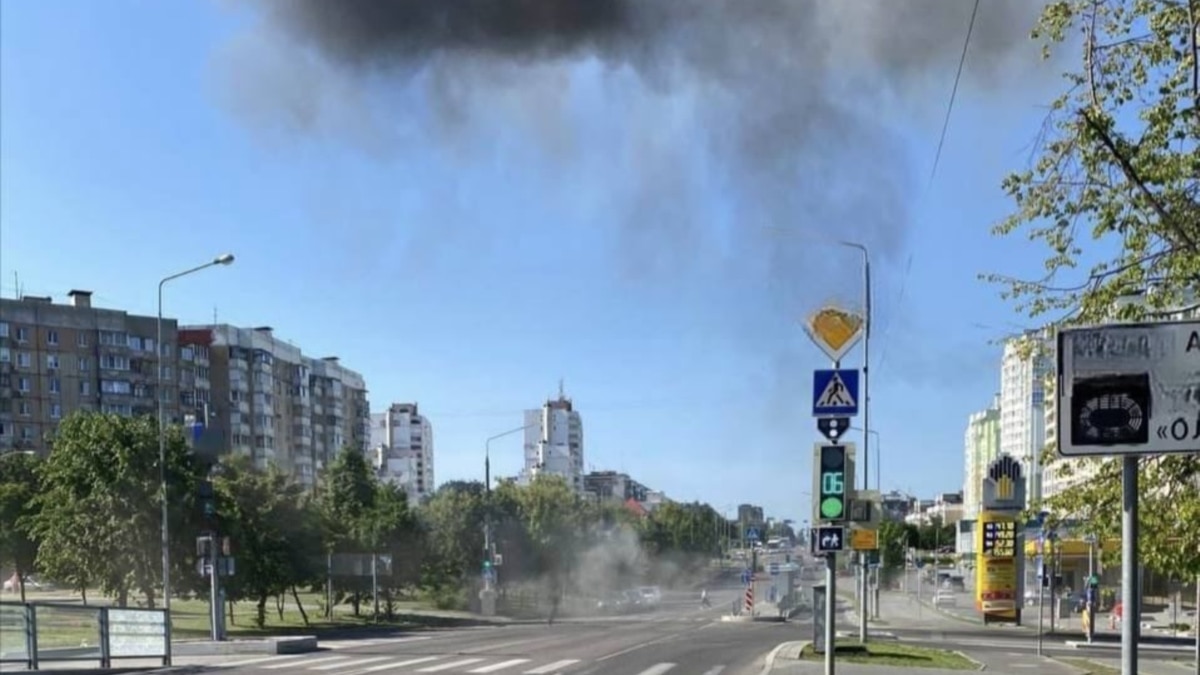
(902, 611)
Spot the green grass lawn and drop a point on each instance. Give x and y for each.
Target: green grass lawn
(77, 625)
(895, 654)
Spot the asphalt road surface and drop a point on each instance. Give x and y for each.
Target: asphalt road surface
(679, 638)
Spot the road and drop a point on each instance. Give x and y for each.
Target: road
(678, 638)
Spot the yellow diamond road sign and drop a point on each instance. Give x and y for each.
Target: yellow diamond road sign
(834, 330)
(864, 540)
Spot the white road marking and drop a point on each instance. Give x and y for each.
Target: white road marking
(399, 664)
(448, 666)
(291, 664)
(260, 659)
(551, 667)
(499, 666)
(657, 669)
(351, 664)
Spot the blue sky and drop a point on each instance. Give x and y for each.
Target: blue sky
(470, 274)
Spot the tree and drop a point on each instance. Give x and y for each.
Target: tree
(18, 487)
(346, 500)
(98, 516)
(263, 513)
(393, 531)
(1119, 160)
(453, 524)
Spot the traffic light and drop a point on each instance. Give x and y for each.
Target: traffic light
(208, 506)
(831, 500)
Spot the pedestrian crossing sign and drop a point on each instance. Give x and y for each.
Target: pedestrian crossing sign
(835, 393)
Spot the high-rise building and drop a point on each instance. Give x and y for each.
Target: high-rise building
(59, 358)
(275, 405)
(1023, 370)
(981, 445)
(402, 449)
(554, 442)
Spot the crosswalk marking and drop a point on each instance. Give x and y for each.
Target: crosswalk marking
(261, 659)
(399, 664)
(715, 670)
(552, 667)
(658, 669)
(351, 664)
(347, 644)
(289, 664)
(447, 666)
(499, 666)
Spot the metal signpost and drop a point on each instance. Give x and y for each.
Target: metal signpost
(1129, 390)
(819, 622)
(835, 400)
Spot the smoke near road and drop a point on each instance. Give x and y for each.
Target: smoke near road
(790, 110)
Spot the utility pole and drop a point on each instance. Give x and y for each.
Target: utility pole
(864, 558)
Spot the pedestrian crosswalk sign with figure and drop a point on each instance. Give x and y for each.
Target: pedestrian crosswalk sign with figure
(835, 393)
(828, 539)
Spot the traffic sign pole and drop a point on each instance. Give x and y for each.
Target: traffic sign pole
(830, 614)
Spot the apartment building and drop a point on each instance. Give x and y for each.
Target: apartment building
(402, 449)
(554, 442)
(613, 486)
(1026, 362)
(272, 403)
(56, 358)
(981, 446)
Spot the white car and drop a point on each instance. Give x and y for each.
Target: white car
(651, 595)
(944, 598)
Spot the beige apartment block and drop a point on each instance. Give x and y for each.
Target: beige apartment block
(272, 403)
(56, 358)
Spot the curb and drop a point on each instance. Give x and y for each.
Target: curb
(769, 661)
(982, 665)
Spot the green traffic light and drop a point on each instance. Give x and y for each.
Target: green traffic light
(831, 507)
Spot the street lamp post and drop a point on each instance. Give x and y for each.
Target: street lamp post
(487, 492)
(226, 259)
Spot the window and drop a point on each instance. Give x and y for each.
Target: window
(117, 409)
(85, 388)
(55, 385)
(22, 335)
(115, 387)
(23, 408)
(113, 338)
(164, 372)
(24, 360)
(23, 384)
(3, 329)
(202, 372)
(55, 411)
(5, 429)
(81, 339)
(139, 390)
(5, 355)
(114, 362)
(52, 337)
(85, 364)
(135, 342)
(27, 433)
(52, 361)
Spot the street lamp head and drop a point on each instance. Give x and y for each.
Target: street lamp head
(226, 259)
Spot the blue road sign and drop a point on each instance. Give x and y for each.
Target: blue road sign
(752, 534)
(828, 539)
(835, 393)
